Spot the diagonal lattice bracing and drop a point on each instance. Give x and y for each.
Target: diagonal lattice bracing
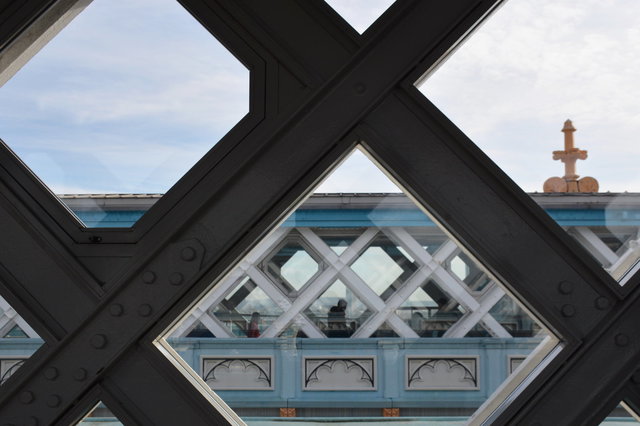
(348, 233)
(621, 263)
(581, 305)
(131, 297)
(476, 310)
(406, 134)
(340, 267)
(10, 319)
(321, 282)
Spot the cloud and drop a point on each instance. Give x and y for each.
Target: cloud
(117, 103)
(535, 64)
(137, 105)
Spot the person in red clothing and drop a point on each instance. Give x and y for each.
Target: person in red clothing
(254, 325)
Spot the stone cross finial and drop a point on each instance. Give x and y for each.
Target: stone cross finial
(570, 182)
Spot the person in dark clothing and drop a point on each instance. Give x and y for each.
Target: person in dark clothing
(336, 319)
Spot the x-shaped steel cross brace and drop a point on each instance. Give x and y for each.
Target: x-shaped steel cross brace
(325, 88)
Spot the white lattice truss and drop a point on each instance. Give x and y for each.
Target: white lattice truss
(621, 264)
(10, 318)
(430, 267)
(476, 305)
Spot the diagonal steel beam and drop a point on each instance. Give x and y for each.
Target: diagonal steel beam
(571, 293)
(415, 33)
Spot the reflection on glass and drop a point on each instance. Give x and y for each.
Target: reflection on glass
(360, 292)
(18, 341)
(622, 415)
(532, 65)
(116, 104)
(607, 225)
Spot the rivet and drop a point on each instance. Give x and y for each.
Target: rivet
(622, 339)
(145, 310)
(176, 278)
(568, 311)
(98, 341)
(636, 377)
(116, 310)
(149, 277)
(188, 254)
(80, 374)
(27, 397)
(53, 401)
(51, 373)
(359, 88)
(602, 303)
(565, 287)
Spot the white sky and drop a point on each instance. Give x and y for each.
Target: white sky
(117, 103)
(536, 63)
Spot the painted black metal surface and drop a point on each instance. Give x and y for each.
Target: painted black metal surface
(100, 297)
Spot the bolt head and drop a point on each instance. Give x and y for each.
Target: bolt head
(622, 339)
(116, 310)
(149, 277)
(145, 310)
(188, 254)
(51, 373)
(98, 341)
(176, 278)
(602, 303)
(568, 311)
(53, 401)
(80, 374)
(27, 397)
(565, 287)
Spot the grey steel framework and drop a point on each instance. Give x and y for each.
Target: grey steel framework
(100, 297)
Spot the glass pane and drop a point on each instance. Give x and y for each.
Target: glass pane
(622, 415)
(246, 311)
(397, 310)
(116, 104)
(532, 65)
(338, 312)
(100, 415)
(384, 267)
(360, 14)
(18, 341)
(292, 265)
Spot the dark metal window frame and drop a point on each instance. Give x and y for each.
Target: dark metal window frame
(317, 89)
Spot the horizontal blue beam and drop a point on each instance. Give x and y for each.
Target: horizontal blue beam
(357, 218)
(348, 218)
(109, 219)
